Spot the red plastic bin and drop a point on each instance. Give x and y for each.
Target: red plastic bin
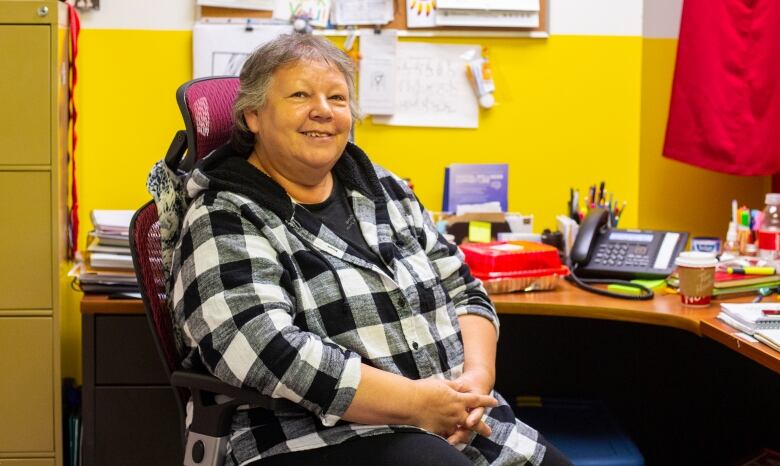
(506, 266)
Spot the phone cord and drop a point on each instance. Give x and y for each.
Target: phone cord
(584, 283)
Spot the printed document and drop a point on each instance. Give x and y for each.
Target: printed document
(360, 12)
(432, 88)
(377, 72)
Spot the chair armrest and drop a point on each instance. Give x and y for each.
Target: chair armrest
(208, 383)
(212, 415)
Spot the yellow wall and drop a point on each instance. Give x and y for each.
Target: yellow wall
(568, 115)
(674, 195)
(127, 117)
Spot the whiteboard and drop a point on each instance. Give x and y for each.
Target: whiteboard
(221, 49)
(432, 88)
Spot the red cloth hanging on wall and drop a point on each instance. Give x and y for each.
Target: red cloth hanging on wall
(725, 109)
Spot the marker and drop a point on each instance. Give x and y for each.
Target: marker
(751, 270)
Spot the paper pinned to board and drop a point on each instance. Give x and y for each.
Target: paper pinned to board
(489, 18)
(505, 5)
(316, 11)
(222, 49)
(240, 4)
(362, 12)
(420, 14)
(432, 88)
(488, 13)
(377, 72)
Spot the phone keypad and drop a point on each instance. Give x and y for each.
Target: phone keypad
(621, 254)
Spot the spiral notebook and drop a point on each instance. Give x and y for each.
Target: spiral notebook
(769, 337)
(750, 317)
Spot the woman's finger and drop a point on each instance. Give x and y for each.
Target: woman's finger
(475, 415)
(460, 436)
(483, 429)
(476, 401)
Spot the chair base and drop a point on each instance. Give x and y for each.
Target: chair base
(205, 450)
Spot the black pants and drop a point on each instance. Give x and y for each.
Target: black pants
(407, 449)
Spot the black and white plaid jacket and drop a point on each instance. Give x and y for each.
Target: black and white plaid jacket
(266, 296)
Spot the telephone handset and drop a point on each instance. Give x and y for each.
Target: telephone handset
(594, 224)
(607, 254)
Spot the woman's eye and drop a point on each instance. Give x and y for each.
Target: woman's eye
(339, 98)
(298, 94)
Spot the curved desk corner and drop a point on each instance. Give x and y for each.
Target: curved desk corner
(569, 301)
(663, 310)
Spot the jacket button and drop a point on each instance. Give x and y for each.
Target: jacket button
(415, 346)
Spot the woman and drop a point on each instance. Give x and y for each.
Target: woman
(308, 273)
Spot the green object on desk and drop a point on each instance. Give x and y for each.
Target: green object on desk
(653, 285)
(479, 232)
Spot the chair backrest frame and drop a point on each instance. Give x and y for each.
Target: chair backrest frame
(206, 104)
(147, 263)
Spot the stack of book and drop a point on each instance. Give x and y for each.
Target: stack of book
(761, 320)
(107, 266)
(730, 284)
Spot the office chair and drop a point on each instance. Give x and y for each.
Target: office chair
(206, 107)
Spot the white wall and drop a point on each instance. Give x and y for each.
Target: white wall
(662, 18)
(651, 18)
(140, 14)
(596, 17)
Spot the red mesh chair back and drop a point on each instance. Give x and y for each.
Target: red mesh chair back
(149, 269)
(206, 105)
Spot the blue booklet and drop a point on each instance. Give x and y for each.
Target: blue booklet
(466, 183)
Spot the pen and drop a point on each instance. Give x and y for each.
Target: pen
(751, 270)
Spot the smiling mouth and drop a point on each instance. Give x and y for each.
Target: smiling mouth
(316, 134)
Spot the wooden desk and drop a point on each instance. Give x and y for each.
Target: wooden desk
(726, 335)
(129, 411)
(660, 367)
(569, 301)
(663, 310)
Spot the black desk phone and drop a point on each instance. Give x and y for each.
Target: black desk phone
(601, 252)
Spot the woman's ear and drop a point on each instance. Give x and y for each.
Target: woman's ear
(252, 119)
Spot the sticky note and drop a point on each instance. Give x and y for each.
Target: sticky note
(479, 232)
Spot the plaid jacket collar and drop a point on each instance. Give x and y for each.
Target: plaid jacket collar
(226, 169)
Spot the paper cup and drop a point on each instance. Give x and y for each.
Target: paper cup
(696, 271)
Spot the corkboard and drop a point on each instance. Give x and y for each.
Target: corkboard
(398, 22)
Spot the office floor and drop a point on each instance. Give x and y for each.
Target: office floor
(684, 400)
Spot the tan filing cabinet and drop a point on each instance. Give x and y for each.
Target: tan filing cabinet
(33, 123)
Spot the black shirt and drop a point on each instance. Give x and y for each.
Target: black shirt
(336, 212)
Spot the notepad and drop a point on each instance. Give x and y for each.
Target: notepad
(770, 337)
(750, 317)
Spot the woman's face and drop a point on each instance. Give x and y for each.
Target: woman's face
(304, 125)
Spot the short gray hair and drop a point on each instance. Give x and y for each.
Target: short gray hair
(255, 77)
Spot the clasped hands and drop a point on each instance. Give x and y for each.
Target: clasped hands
(454, 408)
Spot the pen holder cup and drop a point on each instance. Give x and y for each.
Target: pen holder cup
(697, 277)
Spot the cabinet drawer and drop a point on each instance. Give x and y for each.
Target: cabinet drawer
(27, 462)
(25, 241)
(125, 353)
(25, 113)
(136, 426)
(26, 386)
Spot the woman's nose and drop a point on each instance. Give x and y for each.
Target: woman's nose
(321, 108)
